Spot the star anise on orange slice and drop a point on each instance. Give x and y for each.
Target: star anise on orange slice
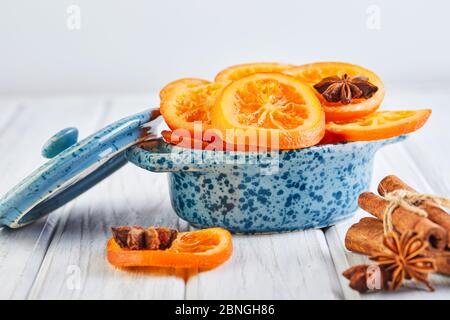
(337, 89)
(406, 259)
(315, 74)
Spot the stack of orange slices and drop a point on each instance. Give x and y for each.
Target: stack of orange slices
(282, 106)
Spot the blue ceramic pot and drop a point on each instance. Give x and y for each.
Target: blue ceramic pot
(247, 192)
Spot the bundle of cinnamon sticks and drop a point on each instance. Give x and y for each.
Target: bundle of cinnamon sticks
(366, 236)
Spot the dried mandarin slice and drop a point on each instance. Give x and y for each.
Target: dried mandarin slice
(378, 125)
(183, 105)
(184, 83)
(239, 71)
(269, 110)
(205, 249)
(314, 73)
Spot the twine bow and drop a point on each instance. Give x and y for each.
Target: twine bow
(410, 201)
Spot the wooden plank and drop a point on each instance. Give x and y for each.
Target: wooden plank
(24, 127)
(9, 109)
(419, 161)
(75, 266)
(293, 265)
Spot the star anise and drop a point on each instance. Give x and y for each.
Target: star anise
(406, 259)
(139, 238)
(336, 89)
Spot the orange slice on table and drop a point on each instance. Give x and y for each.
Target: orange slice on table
(205, 249)
(313, 73)
(186, 101)
(269, 110)
(376, 126)
(239, 71)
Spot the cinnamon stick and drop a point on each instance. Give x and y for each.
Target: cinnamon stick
(366, 237)
(404, 220)
(435, 213)
(442, 261)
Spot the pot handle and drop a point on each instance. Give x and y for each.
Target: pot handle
(386, 142)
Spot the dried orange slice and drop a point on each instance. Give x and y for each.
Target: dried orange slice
(186, 101)
(185, 83)
(205, 249)
(239, 71)
(313, 73)
(378, 125)
(270, 110)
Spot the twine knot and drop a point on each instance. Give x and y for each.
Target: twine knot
(410, 201)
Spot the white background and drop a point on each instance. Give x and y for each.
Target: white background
(138, 46)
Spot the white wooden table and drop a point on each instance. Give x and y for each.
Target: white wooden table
(63, 256)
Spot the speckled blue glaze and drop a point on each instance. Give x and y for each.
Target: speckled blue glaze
(59, 142)
(300, 189)
(73, 169)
